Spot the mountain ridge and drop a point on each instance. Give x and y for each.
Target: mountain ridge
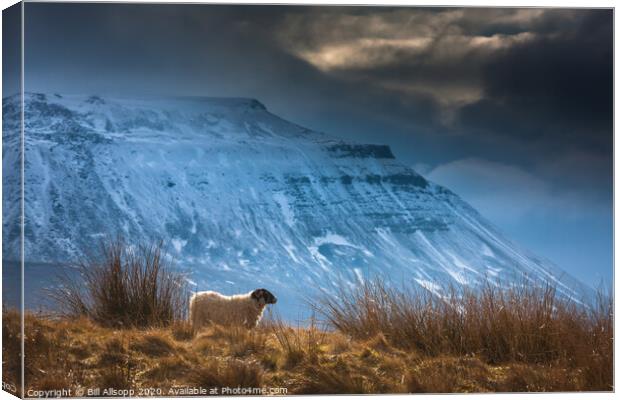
(246, 199)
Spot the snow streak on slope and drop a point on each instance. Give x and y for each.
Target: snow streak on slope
(247, 199)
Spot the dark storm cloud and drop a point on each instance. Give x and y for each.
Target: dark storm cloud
(512, 83)
(203, 50)
(11, 49)
(428, 59)
(531, 87)
(549, 63)
(555, 89)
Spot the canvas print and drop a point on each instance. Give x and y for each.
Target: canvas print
(210, 199)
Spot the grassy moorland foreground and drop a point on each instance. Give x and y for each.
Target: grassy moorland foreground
(500, 351)
(123, 336)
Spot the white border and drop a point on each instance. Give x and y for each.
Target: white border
(470, 3)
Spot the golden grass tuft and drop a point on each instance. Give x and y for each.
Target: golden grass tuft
(525, 324)
(297, 344)
(334, 378)
(124, 286)
(182, 331)
(218, 373)
(169, 370)
(449, 375)
(153, 344)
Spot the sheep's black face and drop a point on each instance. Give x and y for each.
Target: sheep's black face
(264, 296)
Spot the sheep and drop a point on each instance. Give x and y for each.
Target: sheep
(240, 309)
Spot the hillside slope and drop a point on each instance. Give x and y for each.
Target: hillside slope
(245, 198)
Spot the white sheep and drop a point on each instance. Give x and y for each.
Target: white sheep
(240, 309)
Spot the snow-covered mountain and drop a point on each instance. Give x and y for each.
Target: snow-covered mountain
(245, 198)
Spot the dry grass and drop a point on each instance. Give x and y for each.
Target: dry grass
(227, 373)
(124, 286)
(502, 343)
(11, 348)
(298, 344)
(525, 324)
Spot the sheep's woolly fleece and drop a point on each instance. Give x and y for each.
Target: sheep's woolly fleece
(213, 307)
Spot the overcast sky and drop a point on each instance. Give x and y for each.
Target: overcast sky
(510, 108)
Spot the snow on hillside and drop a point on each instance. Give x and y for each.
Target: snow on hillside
(245, 198)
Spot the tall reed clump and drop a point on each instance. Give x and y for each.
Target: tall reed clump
(297, 344)
(523, 324)
(125, 286)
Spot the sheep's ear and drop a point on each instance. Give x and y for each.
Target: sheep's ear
(256, 294)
